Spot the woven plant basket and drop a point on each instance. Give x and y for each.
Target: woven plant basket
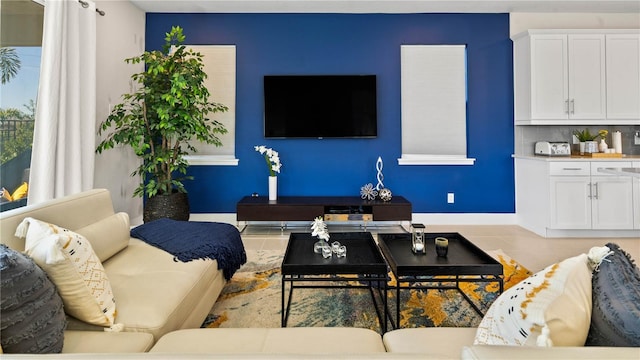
(173, 206)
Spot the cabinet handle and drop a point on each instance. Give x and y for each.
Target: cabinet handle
(566, 106)
(574, 169)
(590, 196)
(596, 195)
(573, 106)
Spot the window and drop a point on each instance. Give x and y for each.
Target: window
(220, 66)
(433, 105)
(20, 51)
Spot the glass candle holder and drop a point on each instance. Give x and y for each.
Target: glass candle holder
(317, 246)
(335, 246)
(442, 246)
(326, 252)
(342, 251)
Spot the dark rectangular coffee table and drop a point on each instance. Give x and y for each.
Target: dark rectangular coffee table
(465, 262)
(363, 267)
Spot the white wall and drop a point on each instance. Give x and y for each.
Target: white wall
(120, 35)
(519, 22)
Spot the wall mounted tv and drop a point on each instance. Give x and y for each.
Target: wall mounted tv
(320, 106)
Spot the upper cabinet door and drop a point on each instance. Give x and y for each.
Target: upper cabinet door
(623, 76)
(587, 97)
(549, 86)
(577, 77)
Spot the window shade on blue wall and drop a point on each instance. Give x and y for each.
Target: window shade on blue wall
(434, 115)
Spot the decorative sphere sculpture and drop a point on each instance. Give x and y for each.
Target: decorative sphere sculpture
(385, 194)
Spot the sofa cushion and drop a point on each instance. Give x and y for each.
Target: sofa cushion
(551, 307)
(106, 342)
(73, 266)
(438, 342)
(31, 310)
(615, 318)
(157, 294)
(299, 340)
(108, 236)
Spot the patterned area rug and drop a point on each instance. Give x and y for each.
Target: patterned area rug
(253, 299)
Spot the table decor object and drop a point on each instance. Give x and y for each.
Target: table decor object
(383, 193)
(417, 239)
(368, 192)
(319, 229)
(273, 164)
(603, 146)
(442, 246)
(587, 141)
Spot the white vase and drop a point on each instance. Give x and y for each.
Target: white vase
(603, 146)
(273, 188)
(582, 146)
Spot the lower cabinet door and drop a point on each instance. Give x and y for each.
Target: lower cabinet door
(612, 205)
(570, 202)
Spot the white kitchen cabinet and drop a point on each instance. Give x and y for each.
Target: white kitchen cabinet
(623, 76)
(557, 198)
(587, 97)
(611, 201)
(561, 77)
(570, 202)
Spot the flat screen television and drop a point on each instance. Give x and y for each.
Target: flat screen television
(320, 106)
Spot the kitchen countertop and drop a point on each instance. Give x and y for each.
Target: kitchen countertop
(577, 158)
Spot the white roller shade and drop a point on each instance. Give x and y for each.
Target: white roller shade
(433, 104)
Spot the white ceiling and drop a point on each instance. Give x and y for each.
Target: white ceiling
(388, 6)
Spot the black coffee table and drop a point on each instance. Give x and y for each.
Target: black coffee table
(465, 262)
(363, 267)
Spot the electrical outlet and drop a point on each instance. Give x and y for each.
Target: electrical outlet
(450, 198)
(636, 138)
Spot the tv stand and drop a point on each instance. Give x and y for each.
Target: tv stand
(331, 208)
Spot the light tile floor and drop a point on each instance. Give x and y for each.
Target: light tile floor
(529, 249)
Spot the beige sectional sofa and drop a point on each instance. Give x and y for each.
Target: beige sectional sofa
(154, 293)
(162, 303)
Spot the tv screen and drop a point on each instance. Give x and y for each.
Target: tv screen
(320, 106)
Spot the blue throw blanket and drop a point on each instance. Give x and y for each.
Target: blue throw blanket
(189, 240)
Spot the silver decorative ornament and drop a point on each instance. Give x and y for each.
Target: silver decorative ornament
(385, 194)
(368, 192)
(379, 175)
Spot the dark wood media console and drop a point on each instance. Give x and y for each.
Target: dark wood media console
(332, 208)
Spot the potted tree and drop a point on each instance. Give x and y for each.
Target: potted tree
(159, 120)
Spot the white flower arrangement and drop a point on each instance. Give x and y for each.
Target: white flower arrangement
(272, 158)
(319, 229)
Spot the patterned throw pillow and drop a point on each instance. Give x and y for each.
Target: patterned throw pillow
(551, 307)
(615, 319)
(33, 319)
(73, 266)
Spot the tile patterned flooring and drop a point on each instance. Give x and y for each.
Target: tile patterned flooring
(531, 250)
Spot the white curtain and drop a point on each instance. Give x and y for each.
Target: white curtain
(62, 161)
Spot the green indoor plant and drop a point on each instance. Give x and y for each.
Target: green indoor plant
(159, 120)
(584, 135)
(587, 141)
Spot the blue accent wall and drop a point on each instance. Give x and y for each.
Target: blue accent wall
(357, 44)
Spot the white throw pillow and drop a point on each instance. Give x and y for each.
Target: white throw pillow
(74, 268)
(550, 308)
